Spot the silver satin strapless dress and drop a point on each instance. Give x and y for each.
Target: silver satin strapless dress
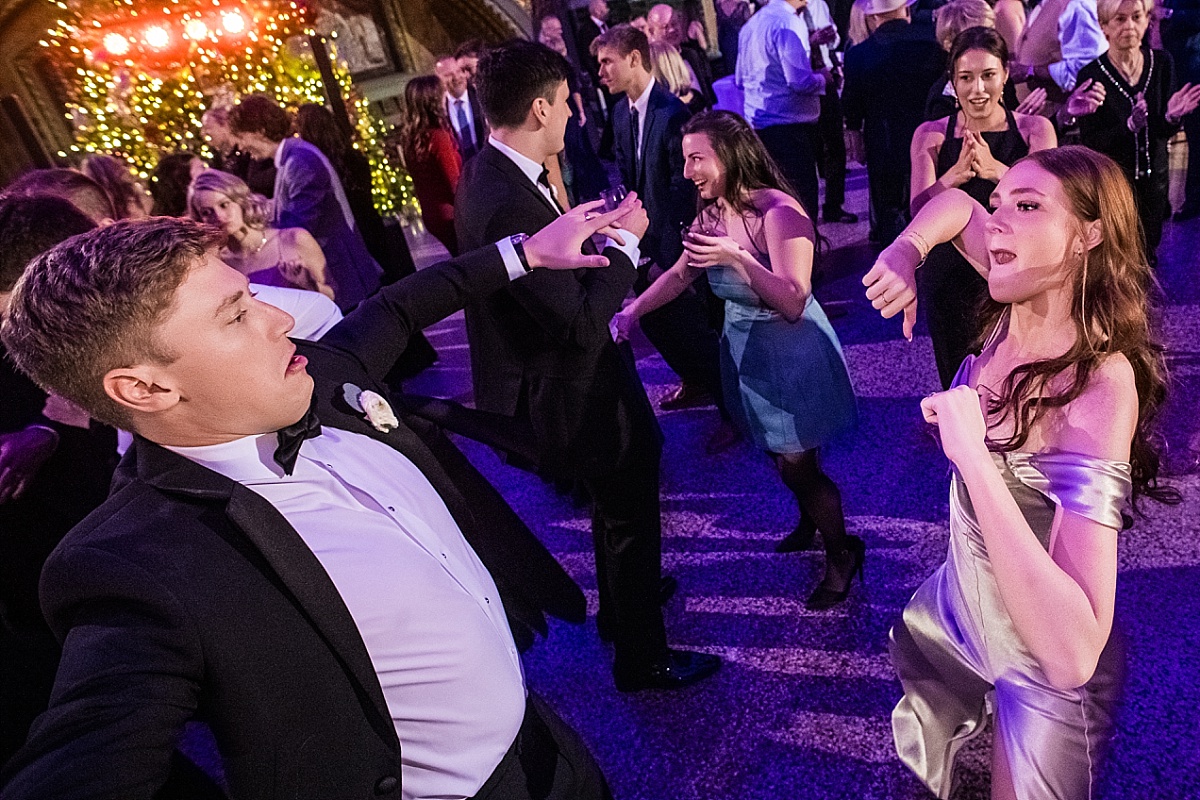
(959, 657)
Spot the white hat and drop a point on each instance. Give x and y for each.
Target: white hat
(871, 7)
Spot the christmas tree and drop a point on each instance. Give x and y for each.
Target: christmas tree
(140, 75)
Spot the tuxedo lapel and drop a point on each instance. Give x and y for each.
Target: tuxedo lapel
(299, 571)
(513, 174)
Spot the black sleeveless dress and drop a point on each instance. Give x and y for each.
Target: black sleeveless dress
(951, 291)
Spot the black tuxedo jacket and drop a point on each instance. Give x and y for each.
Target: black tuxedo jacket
(540, 347)
(587, 33)
(669, 198)
(187, 595)
(477, 120)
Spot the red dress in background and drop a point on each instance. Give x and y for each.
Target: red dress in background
(435, 179)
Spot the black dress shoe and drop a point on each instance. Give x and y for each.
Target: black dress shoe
(667, 588)
(686, 396)
(675, 670)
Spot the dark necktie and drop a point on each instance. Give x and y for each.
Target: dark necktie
(544, 181)
(818, 61)
(636, 139)
(464, 128)
(291, 437)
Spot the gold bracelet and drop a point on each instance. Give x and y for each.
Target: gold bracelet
(917, 241)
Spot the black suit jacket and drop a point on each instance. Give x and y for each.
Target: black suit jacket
(669, 198)
(540, 347)
(188, 595)
(587, 33)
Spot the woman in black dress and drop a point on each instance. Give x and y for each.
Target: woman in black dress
(1127, 111)
(969, 150)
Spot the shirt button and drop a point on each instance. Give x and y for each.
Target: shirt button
(487, 600)
(391, 508)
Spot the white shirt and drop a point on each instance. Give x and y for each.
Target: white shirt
(314, 312)
(774, 68)
(822, 18)
(641, 105)
(425, 606)
(603, 26)
(533, 171)
(1080, 40)
(452, 112)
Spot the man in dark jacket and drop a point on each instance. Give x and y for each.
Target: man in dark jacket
(887, 80)
(329, 587)
(541, 353)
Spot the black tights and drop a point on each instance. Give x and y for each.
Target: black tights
(819, 499)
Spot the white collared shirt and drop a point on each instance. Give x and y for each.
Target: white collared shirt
(641, 105)
(427, 609)
(452, 112)
(1081, 40)
(774, 68)
(603, 26)
(533, 171)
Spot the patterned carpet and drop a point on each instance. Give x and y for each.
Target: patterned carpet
(801, 707)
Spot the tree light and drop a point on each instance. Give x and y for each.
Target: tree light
(157, 37)
(233, 22)
(196, 30)
(116, 44)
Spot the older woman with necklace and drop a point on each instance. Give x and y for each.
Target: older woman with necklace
(1127, 111)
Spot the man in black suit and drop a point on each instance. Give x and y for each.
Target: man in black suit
(591, 26)
(541, 352)
(462, 107)
(55, 467)
(281, 556)
(648, 144)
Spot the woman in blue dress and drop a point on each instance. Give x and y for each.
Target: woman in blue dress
(1048, 431)
(784, 377)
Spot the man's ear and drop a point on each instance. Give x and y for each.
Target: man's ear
(539, 110)
(140, 389)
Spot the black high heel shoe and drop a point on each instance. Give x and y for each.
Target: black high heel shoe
(823, 597)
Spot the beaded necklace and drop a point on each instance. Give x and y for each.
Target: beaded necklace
(1141, 138)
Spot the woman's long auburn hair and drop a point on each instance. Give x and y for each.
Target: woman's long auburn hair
(748, 165)
(423, 114)
(1110, 309)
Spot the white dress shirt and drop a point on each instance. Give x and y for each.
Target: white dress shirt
(425, 606)
(774, 68)
(452, 112)
(1079, 38)
(533, 171)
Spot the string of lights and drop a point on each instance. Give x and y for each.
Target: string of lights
(142, 73)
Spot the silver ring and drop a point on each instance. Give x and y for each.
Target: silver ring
(588, 216)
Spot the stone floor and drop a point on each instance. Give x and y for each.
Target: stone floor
(801, 707)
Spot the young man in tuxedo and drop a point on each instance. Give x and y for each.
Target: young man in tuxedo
(329, 587)
(648, 144)
(541, 352)
(462, 106)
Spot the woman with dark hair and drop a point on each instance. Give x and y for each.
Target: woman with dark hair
(784, 376)
(316, 125)
(969, 150)
(169, 183)
(129, 198)
(1048, 431)
(288, 257)
(1128, 108)
(431, 156)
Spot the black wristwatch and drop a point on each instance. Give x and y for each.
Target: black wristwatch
(517, 240)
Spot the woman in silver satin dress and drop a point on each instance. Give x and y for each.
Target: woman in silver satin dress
(1046, 430)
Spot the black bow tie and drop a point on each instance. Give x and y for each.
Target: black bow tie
(291, 437)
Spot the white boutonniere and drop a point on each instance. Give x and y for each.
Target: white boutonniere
(372, 404)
